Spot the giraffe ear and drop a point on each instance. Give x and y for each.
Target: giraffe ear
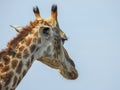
(54, 12)
(37, 13)
(63, 36)
(17, 28)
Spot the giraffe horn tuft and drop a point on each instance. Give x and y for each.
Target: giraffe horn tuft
(54, 11)
(37, 13)
(54, 8)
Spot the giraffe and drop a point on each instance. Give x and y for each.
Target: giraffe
(37, 40)
(67, 67)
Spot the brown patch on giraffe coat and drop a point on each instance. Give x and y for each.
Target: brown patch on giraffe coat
(11, 52)
(25, 53)
(1, 65)
(6, 59)
(14, 81)
(28, 63)
(28, 41)
(23, 41)
(19, 68)
(21, 48)
(7, 77)
(19, 55)
(3, 53)
(32, 58)
(32, 48)
(5, 68)
(17, 47)
(0, 86)
(33, 24)
(24, 72)
(14, 63)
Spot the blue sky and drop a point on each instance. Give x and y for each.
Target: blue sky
(93, 29)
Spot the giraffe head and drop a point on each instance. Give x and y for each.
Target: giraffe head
(59, 59)
(39, 39)
(64, 64)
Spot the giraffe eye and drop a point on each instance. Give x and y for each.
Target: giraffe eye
(46, 30)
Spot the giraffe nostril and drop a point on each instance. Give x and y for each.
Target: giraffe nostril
(46, 30)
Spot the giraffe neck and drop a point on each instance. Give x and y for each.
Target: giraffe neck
(14, 64)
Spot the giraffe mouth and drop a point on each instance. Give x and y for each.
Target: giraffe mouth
(69, 75)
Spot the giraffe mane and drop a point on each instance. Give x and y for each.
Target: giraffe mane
(23, 33)
(3, 52)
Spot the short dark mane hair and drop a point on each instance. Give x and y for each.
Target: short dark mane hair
(23, 33)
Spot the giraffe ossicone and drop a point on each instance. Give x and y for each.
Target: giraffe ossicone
(40, 40)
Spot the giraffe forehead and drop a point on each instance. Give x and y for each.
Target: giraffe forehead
(47, 22)
(51, 22)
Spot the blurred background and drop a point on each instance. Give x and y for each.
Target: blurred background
(93, 29)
